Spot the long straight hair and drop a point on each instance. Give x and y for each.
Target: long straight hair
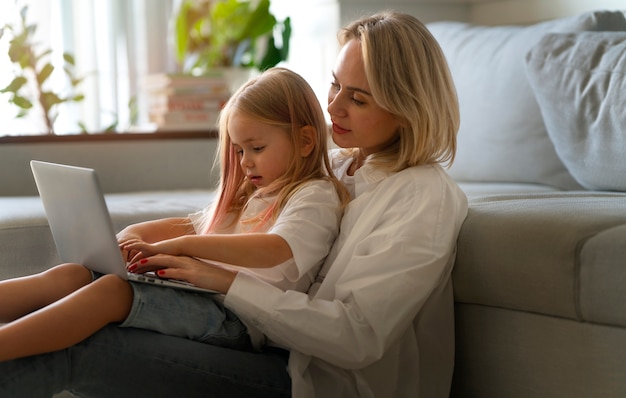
(409, 77)
(281, 98)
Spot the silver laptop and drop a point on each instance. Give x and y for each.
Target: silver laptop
(81, 225)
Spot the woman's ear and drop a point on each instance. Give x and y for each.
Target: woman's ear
(309, 140)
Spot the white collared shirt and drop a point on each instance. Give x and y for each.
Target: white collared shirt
(379, 321)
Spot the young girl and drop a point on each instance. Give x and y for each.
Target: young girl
(276, 216)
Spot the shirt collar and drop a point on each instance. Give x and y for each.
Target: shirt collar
(368, 175)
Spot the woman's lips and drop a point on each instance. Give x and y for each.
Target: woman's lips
(337, 129)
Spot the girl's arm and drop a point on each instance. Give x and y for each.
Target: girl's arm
(157, 230)
(153, 231)
(255, 250)
(304, 231)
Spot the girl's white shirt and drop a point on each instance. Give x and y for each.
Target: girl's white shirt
(309, 223)
(378, 322)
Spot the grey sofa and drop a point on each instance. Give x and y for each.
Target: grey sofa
(540, 265)
(540, 275)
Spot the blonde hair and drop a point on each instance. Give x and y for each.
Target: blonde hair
(281, 98)
(409, 77)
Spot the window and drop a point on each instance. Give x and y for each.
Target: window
(117, 42)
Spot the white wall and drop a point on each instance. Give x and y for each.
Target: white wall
(425, 10)
(313, 47)
(488, 12)
(530, 11)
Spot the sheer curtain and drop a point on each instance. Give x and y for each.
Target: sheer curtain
(118, 42)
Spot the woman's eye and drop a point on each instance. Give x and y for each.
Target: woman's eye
(258, 148)
(357, 102)
(334, 87)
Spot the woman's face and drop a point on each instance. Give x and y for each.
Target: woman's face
(357, 120)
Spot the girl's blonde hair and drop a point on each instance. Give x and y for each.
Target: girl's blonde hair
(281, 98)
(409, 77)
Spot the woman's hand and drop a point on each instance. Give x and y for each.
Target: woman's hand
(186, 269)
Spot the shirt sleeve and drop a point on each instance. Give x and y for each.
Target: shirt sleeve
(399, 250)
(309, 223)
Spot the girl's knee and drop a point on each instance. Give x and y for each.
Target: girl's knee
(114, 283)
(70, 273)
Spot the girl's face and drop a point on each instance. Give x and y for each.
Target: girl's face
(263, 150)
(357, 120)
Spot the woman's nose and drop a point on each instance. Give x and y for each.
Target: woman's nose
(334, 105)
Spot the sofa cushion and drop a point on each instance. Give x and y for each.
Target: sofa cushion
(502, 136)
(604, 272)
(580, 84)
(560, 254)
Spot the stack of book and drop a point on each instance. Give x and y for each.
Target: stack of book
(183, 102)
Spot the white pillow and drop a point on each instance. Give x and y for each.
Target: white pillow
(580, 83)
(502, 137)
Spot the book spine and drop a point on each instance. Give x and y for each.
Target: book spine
(186, 116)
(160, 104)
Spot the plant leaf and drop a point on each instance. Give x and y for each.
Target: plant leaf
(22, 102)
(15, 85)
(69, 58)
(49, 99)
(286, 35)
(259, 22)
(45, 73)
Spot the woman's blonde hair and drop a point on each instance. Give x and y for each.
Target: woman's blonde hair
(409, 77)
(281, 98)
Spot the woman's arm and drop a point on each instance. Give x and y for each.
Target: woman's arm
(398, 250)
(188, 269)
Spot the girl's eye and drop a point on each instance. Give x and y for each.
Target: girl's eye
(258, 148)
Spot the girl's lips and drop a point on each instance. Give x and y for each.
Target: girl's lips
(337, 129)
(255, 180)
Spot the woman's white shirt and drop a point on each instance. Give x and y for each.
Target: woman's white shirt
(378, 322)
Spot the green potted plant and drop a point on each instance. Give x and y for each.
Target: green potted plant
(213, 34)
(30, 86)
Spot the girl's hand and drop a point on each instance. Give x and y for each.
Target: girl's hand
(122, 239)
(141, 249)
(186, 269)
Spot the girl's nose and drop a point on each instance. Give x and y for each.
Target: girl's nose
(245, 161)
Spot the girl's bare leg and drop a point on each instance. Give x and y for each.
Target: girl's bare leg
(21, 296)
(69, 320)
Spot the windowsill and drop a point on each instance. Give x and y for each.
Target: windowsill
(108, 137)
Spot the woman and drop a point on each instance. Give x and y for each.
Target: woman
(378, 322)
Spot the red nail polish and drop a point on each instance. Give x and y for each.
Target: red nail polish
(160, 272)
(143, 261)
(132, 267)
